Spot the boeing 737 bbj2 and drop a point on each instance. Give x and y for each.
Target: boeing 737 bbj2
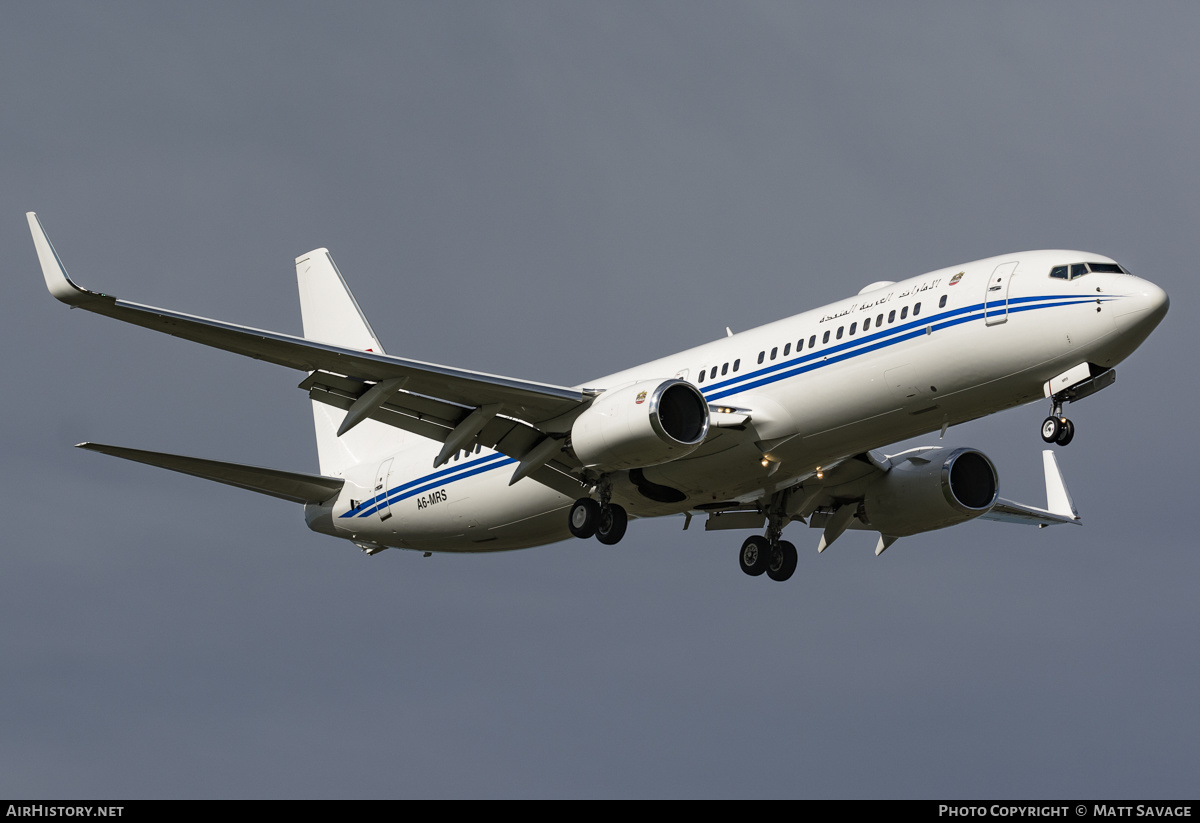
(754, 431)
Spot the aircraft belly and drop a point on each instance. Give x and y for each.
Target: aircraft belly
(721, 476)
(484, 513)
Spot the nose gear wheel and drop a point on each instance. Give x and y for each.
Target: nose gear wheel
(1056, 428)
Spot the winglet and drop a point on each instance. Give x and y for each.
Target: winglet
(1058, 499)
(1059, 506)
(57, 281)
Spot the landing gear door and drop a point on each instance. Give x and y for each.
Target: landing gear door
(995, 299)
(381, 488)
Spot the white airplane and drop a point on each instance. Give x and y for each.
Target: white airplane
(754, 431)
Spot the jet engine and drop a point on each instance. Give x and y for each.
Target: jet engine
(930, 492)
(643, 424)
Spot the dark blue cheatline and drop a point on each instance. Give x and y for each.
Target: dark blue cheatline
(814, 359)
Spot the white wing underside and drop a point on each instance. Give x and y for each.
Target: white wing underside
(345, 361)
(531, 401)
(827, 506)
(1059, 506)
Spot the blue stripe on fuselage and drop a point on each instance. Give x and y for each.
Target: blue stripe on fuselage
(814, 359)
(425, 482)
(875, 341)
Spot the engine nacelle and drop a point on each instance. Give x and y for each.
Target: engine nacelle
(644, 424)
(923, 494)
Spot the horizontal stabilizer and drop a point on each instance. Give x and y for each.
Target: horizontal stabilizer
(293, 486)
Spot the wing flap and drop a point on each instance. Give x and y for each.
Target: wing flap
(435, 420)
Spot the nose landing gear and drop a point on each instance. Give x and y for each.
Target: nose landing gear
(1056, 428)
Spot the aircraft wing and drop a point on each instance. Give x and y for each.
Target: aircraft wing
(831, 501)
(530, 401)
(438, 420)
(1059, 506)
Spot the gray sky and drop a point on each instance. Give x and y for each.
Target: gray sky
(555, 191)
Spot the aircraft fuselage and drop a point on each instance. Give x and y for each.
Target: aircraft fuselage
(896, 361)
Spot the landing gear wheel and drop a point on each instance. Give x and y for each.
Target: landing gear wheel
(1066, 434)
(755, 556)
(610, 527)
(783, 561)
(1051, 428)
(584, 517)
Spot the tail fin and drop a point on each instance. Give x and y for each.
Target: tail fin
(328, 309)
(331, 315)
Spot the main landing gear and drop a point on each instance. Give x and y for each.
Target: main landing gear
(769, 554)
(607, 521)
(760, 555)
(1056, 428)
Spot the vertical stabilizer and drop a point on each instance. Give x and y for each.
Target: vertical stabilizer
(328, 309)
(332, 315)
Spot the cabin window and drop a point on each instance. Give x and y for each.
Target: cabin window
(724, 369)
(825, 338)
(787, 349)
(761, 355)
(840, 330)
(700, 379)
(942, 302)
(812, 341)
(712, 374)
(866, 324)
(904, 312)
(879, 320)
(774, 352)
(916, 309)
(737, 364)
(853, 328)
(892, 316)
(799, 345)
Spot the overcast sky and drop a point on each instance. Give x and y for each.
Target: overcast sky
(554, 191)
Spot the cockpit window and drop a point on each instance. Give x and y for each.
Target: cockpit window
(1080, 269)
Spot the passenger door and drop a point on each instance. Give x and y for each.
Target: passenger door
(381, 486)
(995, 299)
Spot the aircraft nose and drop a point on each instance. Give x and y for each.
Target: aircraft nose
(1141, 307)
